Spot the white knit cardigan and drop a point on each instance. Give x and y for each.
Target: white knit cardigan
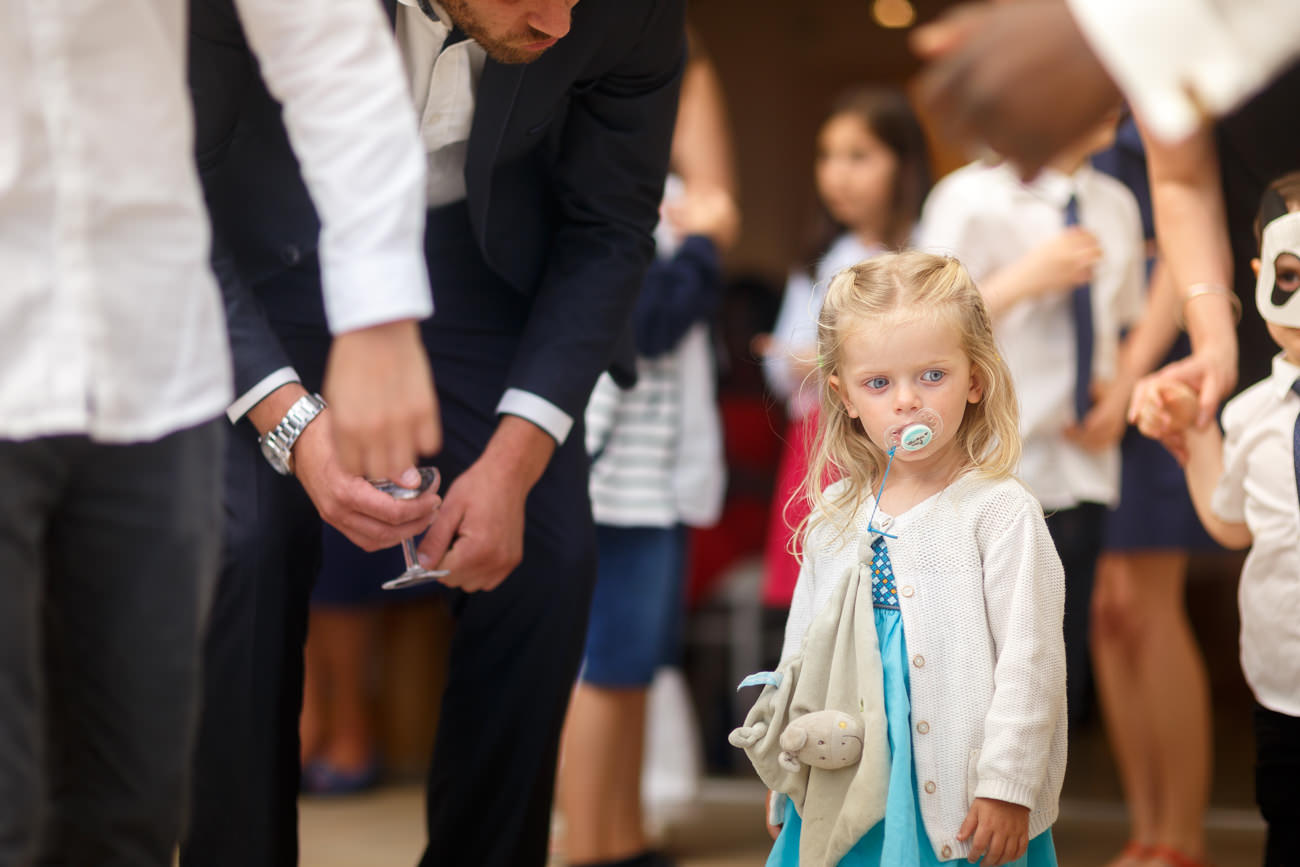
(982, 595)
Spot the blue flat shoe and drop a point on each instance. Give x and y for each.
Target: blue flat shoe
(320, 777)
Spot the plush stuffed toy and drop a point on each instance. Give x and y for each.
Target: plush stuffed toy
(827, 739)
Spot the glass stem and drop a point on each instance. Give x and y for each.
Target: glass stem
(408, 550)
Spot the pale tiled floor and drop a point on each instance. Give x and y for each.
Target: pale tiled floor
(725, 829)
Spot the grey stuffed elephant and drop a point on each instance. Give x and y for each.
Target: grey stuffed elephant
(827, 739)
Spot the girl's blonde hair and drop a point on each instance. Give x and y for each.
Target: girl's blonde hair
(912, 284)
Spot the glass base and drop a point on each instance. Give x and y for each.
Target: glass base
(414, 577)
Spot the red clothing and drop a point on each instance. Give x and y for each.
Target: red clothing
(780, 568)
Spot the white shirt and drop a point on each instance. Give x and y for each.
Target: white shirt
(982, 597)
(1258, 486)
(111, 324)
(796, 324)
(1175, 59)
(443, 86)
(986, 217)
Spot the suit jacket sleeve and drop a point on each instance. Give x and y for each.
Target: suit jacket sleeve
(221, 72)
(254, 346)
(608, 182)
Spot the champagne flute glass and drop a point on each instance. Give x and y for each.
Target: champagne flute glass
(415, 573)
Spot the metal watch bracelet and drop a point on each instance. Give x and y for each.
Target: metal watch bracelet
(277, 444)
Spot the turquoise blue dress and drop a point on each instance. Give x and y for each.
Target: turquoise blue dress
(899, 838)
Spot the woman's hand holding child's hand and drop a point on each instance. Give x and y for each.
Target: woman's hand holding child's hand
(1166, 411)
(1000, 829)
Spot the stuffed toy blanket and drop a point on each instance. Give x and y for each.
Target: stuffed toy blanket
(831, 691)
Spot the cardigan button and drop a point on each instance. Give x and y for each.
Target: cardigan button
(918, 661)
(929, 787)
(946, 852)
(906, 590)
(923, 727)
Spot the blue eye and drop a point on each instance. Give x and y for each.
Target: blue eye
(932, 376)
(877, 382)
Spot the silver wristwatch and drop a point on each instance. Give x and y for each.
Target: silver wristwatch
(277, 444)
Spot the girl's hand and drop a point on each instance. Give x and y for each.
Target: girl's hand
(1001, 831)
(773, 831)
(1105, 423)
(708, 212)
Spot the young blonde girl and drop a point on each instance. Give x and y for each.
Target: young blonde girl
(967, 591)
(871, 174)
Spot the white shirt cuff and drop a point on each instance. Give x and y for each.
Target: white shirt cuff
(254, 395)
(1175, 59)
(361, 291)
(538, 410)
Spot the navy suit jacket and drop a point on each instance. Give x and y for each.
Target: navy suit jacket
(566, 163)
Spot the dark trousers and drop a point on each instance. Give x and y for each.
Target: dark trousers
(1077, 535)
(108, 556)
(515, 650)
(1277, 784)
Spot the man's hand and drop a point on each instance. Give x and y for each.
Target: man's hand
(478, 535)
(380, 389)
(371, 519)
(1016, 77)
(1000, 829)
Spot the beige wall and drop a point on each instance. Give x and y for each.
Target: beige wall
(781, 63)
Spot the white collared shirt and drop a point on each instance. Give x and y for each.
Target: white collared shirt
(111, 324)
(1175, 59)
(986, 217)
(1258, 487)
(443, 85)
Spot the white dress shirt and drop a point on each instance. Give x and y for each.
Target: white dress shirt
(986, 217)
(795, 332)
(1258, 487)
(1176, 59)
(111, 324)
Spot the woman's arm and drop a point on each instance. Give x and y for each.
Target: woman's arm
(1191, 225)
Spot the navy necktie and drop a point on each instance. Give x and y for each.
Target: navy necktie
(1295, 441)
(1081, 308)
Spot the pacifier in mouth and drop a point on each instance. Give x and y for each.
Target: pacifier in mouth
(916, 433)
